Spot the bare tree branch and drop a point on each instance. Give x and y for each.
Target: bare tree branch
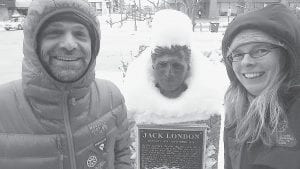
(153, 3)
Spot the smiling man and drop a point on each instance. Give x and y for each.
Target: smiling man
(59, 115)
(65, 48)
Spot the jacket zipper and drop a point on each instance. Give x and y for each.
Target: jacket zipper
(60, 155)
(68, 130)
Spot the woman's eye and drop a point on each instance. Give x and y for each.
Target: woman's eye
(260, 52)
(238, 55)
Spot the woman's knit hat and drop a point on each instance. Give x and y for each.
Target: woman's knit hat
(252, 36)
(276, 24)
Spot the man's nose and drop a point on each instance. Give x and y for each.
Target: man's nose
(247, 60)
(169, 70)
(68, 42)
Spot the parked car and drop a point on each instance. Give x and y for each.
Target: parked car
(15, 23)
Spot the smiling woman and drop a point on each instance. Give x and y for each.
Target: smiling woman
(262, 103)
(256, 64)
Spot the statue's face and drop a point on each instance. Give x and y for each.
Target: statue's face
(170, 72)
(65, 50)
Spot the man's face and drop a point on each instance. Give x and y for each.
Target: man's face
(65, 50)
(170, 72)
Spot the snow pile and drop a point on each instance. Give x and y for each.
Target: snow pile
(171, 27)
(203, 98)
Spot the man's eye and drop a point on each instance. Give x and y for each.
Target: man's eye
(177, 66)
(81, 35)
(161, 64)
(53, 33)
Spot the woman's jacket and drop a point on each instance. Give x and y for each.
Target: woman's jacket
(276, 20)
(285, 155)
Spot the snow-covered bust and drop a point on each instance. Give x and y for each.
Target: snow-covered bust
(173, 83)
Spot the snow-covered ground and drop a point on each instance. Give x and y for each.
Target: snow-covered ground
(119, 43)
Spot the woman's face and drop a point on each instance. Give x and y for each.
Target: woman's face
(256, 65)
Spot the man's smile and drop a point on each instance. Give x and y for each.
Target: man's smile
(66, 59)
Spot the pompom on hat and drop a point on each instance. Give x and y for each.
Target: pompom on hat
(171, 27)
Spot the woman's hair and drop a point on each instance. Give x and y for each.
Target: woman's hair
(174, 50)
(257, 117)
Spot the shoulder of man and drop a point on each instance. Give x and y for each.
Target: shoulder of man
(10, 91)
(11, 101)
(109, 88)
(111, 96)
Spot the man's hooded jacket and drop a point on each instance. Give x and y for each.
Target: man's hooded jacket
(47, 124)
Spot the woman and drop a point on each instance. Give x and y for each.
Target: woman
(262, 106)
(172, 83)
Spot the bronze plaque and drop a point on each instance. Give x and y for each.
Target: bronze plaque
(171, 146)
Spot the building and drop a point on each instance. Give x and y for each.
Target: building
(236, 7)
(6, 9)
(22, 6)
(102, 7)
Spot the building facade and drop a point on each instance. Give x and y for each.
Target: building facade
(103, 7)
(6, 9)
(237, 7)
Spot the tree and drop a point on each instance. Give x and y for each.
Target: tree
(155, 3)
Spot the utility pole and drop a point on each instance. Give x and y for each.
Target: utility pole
(121, 10)
(134, 12)
(194, 7)
(140, 10)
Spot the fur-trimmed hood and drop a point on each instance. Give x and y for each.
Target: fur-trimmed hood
(203, 97)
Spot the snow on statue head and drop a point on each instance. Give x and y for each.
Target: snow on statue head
(171, 51)
(171, 27)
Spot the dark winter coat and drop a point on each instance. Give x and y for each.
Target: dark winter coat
(279, 22)
(46, 124)
(260, 156)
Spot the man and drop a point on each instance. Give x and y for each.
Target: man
(59, 116)
(173, 83)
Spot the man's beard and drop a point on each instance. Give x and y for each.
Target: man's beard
(65, 68)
